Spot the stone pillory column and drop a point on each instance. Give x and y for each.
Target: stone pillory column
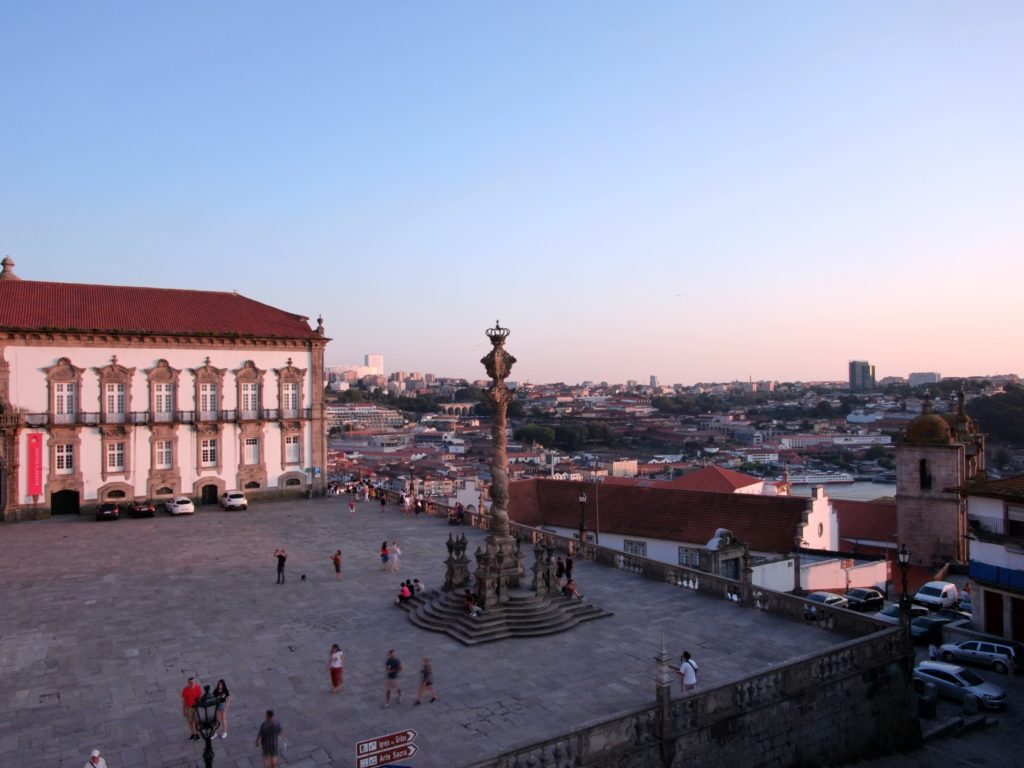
(504, 566)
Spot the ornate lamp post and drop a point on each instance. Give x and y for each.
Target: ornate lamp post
(583, 517)
(903, 557)
(206, 721)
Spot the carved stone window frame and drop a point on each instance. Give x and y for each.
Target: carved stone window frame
(115, 433)
(208, 374)
(74, 480)
(209, 431)
(64, 372)
(163, 373)
(248, 373)
(163, 478)
(290, 375)
(292, 429)
(115, 373)
(252, 473)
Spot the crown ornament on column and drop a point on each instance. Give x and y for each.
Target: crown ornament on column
(498, 362)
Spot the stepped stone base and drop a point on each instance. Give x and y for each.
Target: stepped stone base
(524, 615)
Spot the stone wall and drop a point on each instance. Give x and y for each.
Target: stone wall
(850, 702)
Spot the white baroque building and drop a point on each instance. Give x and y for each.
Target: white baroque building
(114, 393)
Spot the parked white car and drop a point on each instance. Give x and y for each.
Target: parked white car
(180, 505)
(234, 500)
(937, 594)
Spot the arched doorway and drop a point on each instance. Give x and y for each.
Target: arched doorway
(208, 494)
(64, 503)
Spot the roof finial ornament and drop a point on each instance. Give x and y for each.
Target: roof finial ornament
(8, 269)
(926, 406)
(960, 397)
(289, 362)
(320, 324)
(113, 359)
(206, 360)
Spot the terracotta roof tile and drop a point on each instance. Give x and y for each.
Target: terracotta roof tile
(715, 479)
(872, 520)
(766, 523)
(34, 305)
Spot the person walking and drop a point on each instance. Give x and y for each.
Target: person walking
(383, 499)
(568, 568)
(270, 739)
(426, 681)
(394, 553)
(190, 694)
(559, 572)
(688, 671)
(281, 556)
(336, 559)
(352, 506)
(221, 689)
(392, 668)
(384, 554)
(96, 760)
(336, 663)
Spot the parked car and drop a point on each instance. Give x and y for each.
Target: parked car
(891, 614)
(180, 505)
(928, 629)
(824, 598)
(956, 682)
(234, 500)
(108, 511)
(865, 599)
(937, 594)
(142, 509)
(956, 617)
(985, 653)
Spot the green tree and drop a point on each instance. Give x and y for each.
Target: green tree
(536, 433)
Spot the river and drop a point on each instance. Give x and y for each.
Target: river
(859, 491)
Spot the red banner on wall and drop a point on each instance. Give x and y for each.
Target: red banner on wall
(35, 465)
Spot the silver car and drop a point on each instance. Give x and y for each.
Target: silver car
(985, 653)
(956, 682)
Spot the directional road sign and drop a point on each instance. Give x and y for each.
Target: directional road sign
(386, 749)
(387, 756)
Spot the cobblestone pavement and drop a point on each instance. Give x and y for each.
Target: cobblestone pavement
(102, 623)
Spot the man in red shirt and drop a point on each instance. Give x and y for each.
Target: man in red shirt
(190, 694)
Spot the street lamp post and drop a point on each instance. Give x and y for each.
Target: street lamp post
(206, 721)
(583, 517)
(903, 557)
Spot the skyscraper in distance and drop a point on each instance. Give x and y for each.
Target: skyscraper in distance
(376, 362)
(862, 376)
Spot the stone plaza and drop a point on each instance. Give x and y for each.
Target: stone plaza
(103, 623)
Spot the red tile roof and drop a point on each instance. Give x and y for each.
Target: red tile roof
(866, 520)
(1008, 488)
(766, 523)
(714, 479)
(29, 305)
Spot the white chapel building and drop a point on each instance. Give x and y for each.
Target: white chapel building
(116, 393)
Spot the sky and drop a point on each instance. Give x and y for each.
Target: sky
(696, 191)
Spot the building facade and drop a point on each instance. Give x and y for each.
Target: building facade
(937, 455)
(995, 514)
(862, 376)
(113, 393)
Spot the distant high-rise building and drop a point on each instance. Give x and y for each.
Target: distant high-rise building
(862, 376)
(376, 362)
(923, 377)
(654, 382)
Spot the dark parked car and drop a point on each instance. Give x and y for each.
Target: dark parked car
(891, 615)
(143, 509)
(928, 629)
(865, 599)
(108, 511)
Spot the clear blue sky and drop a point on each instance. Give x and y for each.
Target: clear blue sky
(701, 192)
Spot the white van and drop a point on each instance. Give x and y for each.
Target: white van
(937, 594)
